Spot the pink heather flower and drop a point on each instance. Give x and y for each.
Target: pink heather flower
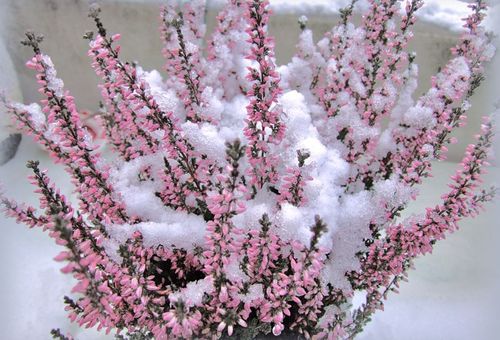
(244, 198)
(264, 128)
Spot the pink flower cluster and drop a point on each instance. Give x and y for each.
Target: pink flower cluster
(264, 128)
(247, 199)
(179, 30)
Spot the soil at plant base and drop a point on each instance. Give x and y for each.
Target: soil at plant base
(285, 335)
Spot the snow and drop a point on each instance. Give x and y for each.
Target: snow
(162, 225)
(249, 219)
(297, 74)
(234, 272)
(186, 232)
(214, 107)
(139, 196)
(233, 118)
(420, 117)
(166, 98)
(324, 165)
(357, 212)
(293, 224)
(206, 140)
(301, 134)
(255, 292)
(392, 192)
(192, 294)
(35, 113)
(445, 13)
(53, 83)
(457, 83)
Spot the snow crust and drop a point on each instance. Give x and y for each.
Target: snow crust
(192, 294)
(445, 13)
(346, 215)
(53, 83)
(162, 225)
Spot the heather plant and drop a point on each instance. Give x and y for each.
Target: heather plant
(241, 198)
